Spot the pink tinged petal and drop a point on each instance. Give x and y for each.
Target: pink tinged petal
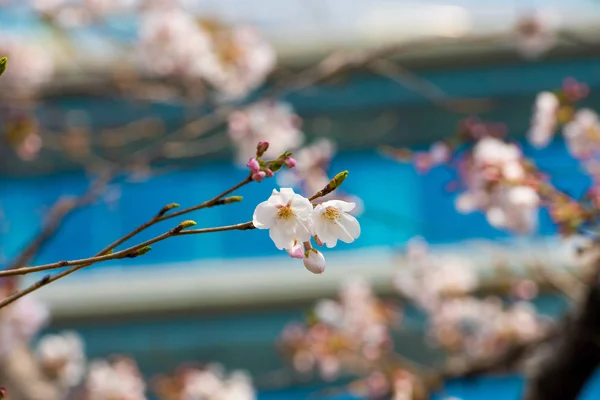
(297, 251)
(258, 176)
(264, 215)
(315, 262)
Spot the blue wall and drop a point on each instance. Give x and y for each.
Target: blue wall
(399, 204)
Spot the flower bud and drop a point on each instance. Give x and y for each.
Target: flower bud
(261, 148)
(314, 261)
(253, 165)
(296, 251)
(289, 162)
(3, 62)
(269, 173)
(258, 176)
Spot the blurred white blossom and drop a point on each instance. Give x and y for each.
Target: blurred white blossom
(582, 134)
(544, 120)
(116, 380)
(30, 65)
(211, 384)
(234, 60)
(272, 122)
(62, 356)
(20, 322)
(535, 33)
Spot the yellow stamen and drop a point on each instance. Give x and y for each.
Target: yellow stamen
(331, 213)
(285, 212)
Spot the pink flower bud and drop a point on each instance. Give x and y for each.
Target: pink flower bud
(261, 148)
(253, 165)
(315, 262)
(269, 173)
(297, 251)
(258, 176)
(289, 162)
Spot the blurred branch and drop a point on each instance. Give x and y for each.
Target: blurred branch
(428, 90)
(56, 217)
(574, 355)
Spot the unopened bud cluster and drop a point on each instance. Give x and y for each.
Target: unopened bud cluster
(260, 169)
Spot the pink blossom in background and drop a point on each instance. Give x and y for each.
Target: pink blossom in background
(118, 379)
(62, 356)
(31, 65)
(535, 33)
(544, 121)
(582, 134)
(234, 61)
(20, 322)
(272, 122)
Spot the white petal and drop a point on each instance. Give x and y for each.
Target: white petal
(264, 215)
(276, 199)
(301, 206)
(351, 225)
(327, 235)
(342, 233)
(340, 205)
(281, 237)
(286, 195)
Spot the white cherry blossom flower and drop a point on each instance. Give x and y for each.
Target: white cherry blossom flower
(62, 356)
(544, 121)
(120, 380)
(583, 133)
(332, 222)
(287, 215)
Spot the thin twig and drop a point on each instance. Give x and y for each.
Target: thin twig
(161, 216)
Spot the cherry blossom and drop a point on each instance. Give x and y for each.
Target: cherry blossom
(535, 33)
(428, 278)
(497, 183)
(544, 121)
(582, 134)
(208, 383)
(116, 380)
(272, 122)
(232, 60)
(62, 356)
(20, 322)
(287, 215)
(331, 222)
(31, 65)
(348, 332)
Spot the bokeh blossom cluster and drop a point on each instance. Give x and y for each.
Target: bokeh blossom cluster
(496, 178)
(355, 334)
(233, 60)
(205, 383)
(55, 366)
(341, 336)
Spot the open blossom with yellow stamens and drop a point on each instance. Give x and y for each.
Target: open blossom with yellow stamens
(331, 222)
(287, 215)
